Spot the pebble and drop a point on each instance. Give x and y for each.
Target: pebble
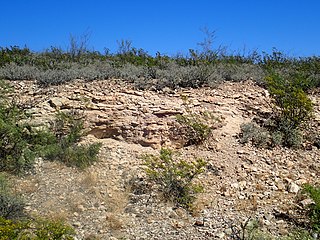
(293, 188)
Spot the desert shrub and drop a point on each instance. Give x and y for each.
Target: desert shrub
(252, 229)
(37, 229)
(14, 54)
(270, 136)
(56, 77)
(175, 177)
(13, 71)
(196, 127)
(290, 136)
(194, 131)
(11, 206)
(252, 132)
(15, 224)
(16, 154)
(68, 130)
(298, 234)
(314, 209)
(293, 105)
(292, 109)
(20, 143)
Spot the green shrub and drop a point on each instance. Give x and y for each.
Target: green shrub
(196, 127)
(293, 105)
(11, 206)
(292, 108)
(298, 234)
(37, 229)
(314, 209)
(16, 154)
(68, 130)
(175, 177)
(20, 143)
(290, 136)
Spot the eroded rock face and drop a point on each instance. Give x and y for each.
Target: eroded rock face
(143, 117)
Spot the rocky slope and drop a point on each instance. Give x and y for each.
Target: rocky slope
(109, 200)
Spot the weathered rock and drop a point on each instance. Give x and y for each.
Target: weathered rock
(293, 188)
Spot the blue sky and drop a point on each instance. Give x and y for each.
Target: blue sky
(166, 26)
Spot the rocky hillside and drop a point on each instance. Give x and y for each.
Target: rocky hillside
(109, 200)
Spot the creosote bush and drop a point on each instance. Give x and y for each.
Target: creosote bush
(21, 144)
(16, 153)
(293, 107)
(196, 127)
(64, 147)
(293, 104)
(292, 110)
(174, 177)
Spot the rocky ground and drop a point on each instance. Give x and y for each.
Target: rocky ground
(109, 201)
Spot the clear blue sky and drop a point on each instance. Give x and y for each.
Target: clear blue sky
(167, 26)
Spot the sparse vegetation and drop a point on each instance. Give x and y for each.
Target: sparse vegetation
(292, 110)
(196, 127)
(287, 79)
(64, 147)
(198, 68)
(16, 153)
(251, 229)
(314, 209)
(174, 177)
(35, 229)
(20, 143)
(11, 206)
(252, 132)
(16, 224)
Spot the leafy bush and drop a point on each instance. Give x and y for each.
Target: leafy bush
(35, 229)
(175, 177)
(68, 130)
(196, 127)
(294, 106)
(314, 209)
(16, 154)
(11, 206)
(20, 143)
